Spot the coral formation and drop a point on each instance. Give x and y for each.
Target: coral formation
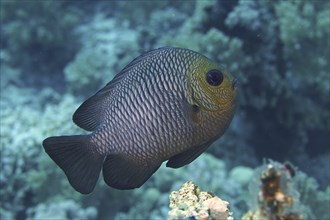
(66, 209)
(191, 202)
(277, 197)
(104, 54)
(38, 38)
(24, 167)
(315, 200)
(241, 174)
(216, 180)
(280, 191)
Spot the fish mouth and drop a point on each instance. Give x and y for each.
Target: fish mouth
(234, 84)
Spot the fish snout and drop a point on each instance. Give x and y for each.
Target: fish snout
(235, 84)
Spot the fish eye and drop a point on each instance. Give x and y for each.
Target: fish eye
(214, 77)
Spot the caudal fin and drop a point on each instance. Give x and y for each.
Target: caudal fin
(78, 158)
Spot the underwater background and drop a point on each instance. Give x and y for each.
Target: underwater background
(55, 54)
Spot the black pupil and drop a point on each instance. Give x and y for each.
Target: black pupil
(214, 77)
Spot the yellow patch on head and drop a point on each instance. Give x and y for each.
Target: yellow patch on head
(211, 86)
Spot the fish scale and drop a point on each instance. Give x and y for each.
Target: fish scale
(169, 105)
(139, 116)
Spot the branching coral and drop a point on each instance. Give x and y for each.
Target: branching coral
(304, 33)
(38, 37)
(24, 169)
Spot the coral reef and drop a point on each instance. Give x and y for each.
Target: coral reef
(315, 200)
(103, 55)
(55, 53)
(39, 39)
(190, 202)
(24, 167)
(66, 209)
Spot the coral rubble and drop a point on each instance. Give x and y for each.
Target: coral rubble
(191, 202)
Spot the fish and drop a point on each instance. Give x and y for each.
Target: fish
(169, 104)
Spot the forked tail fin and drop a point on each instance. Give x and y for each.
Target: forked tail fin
(78, 158)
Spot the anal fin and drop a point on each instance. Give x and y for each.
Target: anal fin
(124, 172)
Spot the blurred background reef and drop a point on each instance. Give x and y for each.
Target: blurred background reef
(55, 54)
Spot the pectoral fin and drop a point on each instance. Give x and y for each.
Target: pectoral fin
(188, 156)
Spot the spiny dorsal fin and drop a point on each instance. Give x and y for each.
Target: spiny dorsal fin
(134, 63)
(91, 113)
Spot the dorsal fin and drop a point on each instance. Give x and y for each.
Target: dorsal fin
(91, 113)
(134, 63)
